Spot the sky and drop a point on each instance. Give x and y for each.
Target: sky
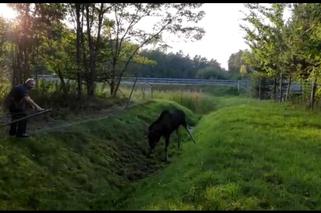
(223, 35)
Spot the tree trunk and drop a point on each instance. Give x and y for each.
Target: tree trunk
(303, 90)
(260, 85)
(312, 97)
(281, 88)
(288, 88)
(89, 80)
(79, 30)
(93, 48)
(62, 82)
(274, 89)
(83, 48)
(113, 77)
(112, 87)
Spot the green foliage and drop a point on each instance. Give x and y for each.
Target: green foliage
(284, 50)
(4, 90)
(218, 91)
(243, 70)
(66, 103)
(212, 73)
(235, 62)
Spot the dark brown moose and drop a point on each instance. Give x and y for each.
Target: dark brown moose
(167, 122)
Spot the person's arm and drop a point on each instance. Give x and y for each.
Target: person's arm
(32, 103)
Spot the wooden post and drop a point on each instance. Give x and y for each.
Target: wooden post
(131, 93)
(143, 92)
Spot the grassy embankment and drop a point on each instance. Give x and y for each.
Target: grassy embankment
(85, 166)
(250, 155)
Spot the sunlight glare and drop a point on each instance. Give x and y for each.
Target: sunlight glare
(7, 12)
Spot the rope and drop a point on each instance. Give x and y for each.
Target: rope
(66, 124)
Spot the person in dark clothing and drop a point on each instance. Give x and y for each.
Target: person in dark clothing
(17, 103)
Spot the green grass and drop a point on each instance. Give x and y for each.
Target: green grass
(83, 167)
(250, 156)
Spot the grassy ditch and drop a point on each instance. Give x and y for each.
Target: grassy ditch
(82, 167)
(250, 155)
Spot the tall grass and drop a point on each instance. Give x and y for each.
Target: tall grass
(195, 100)
(198, 98)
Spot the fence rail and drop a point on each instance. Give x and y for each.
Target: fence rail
(171, 81)
(240, 84)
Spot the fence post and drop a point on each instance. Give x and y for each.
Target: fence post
(131, 93)
(143, 92)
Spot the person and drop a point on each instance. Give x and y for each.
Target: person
(17, 101)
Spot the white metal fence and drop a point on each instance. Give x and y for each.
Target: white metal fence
(240, 84)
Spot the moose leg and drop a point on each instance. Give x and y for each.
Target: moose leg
(166, 145)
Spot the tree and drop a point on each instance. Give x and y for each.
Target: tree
(4, 50)
(35, 23)
(234, 63)
(211, 72)
(76, 12)
(58, 55)
(265, 38)
(307, 38)
(124, 27)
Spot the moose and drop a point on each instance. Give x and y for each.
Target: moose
(167, 122)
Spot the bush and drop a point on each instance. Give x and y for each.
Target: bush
(212, 73)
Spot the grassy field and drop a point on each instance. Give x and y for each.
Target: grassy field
(250, 156)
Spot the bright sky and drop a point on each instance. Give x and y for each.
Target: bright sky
(223, 35)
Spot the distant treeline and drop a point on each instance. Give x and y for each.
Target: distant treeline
(178, 65)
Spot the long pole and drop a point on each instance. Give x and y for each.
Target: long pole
(26, 117)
